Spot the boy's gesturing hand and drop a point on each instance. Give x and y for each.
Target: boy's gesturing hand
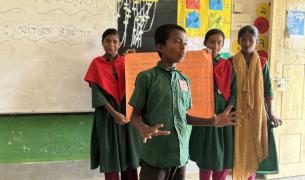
(148, 132)
(227, 118)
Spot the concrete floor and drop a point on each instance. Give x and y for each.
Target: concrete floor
(71, 170)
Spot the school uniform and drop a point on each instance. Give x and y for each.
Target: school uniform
(253, 139)
(164, 97)
(212, 147)
(269, 165)
(114, 148)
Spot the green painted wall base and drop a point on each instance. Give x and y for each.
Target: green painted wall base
(44, 138)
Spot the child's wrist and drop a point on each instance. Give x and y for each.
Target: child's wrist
(114, 114)
(212, 119)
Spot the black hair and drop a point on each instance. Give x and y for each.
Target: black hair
(163, 33)
(250, 29)
(212, 32)
(110, 31)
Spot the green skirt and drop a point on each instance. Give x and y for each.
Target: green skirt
(113, 147)
(212, 147)
(270, 165)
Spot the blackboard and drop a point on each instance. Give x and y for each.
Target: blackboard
(154, 13)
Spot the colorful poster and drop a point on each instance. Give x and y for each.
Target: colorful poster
(235, 47)
(263, 43)
(262, 24)
(193, 20)
(216, 4)
(197, 17)
(263, 10)
(197, 65)
(295, 23)
(193, 4)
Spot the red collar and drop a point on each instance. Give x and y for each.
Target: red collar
(101, 72)
(263, 61)
(222, 71)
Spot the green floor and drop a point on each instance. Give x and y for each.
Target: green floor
(44, 138)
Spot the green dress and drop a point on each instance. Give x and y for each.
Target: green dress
(212, 147)
(269, 165)
(113, 147)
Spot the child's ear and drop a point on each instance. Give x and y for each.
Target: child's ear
(159, 47)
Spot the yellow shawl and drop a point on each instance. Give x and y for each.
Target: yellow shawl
(251, 138)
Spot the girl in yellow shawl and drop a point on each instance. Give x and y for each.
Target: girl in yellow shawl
(253, 93)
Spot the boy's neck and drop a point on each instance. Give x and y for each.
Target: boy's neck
(167, 64)
(215, 56)
(110, 57)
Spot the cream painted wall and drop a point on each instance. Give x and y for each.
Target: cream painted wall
(45, 49)
(246, 17)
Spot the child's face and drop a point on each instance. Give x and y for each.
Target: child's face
(173, 51)
(215, 43)
(247, 42)
(111, 44)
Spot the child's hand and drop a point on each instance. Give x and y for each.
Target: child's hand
(275, 121)
(208, 50)
(227, 118)
(132, 50)
(147, 132)
(120, 119)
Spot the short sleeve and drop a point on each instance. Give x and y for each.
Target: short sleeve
(189, 105)
(139, 95)
(268, 93)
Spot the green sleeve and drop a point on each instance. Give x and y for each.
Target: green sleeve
(233, 94)
(267, 82)
(189, 105)
(98, 98)
(138, 98)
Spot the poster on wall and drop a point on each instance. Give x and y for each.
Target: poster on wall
(198, 16)
(138, 19)
(295, 23)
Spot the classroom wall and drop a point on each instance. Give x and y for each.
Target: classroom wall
(45, 49)
(8, 50)
(251, 12)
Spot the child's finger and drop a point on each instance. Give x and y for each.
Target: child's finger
(274, 123)
(234, 124)
(235, 115)
(280, 122)
(208, 50)
(125, 120)
(161, 133)
(157, 126)
(228, 109)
